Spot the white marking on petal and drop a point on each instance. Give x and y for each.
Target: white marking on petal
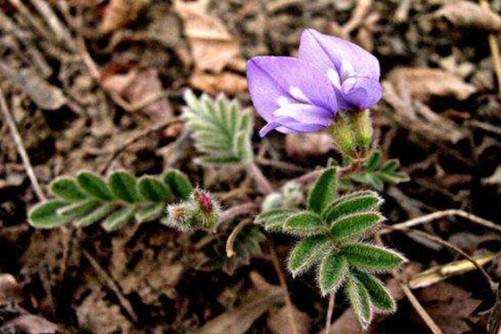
(282, 101)
(348, 85)
(334, 77)
(304, 113)
(298, 94)
(347, 70)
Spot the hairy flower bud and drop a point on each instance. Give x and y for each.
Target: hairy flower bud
(200, 211)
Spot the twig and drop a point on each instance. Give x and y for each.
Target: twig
(55, 24)
(262, 182)
(283, 284)
(111, 284)
(238, 210)
(20, 148)
(493, 45)
(133, 139)
(233, 235)
(330, 311)
(420, 309)
(440, 214)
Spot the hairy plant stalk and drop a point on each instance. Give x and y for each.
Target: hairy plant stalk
(262, 182)
(330, 311)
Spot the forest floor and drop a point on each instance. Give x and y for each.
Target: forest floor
(82, 77)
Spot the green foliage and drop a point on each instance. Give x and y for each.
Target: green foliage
(122, 198)
(375, 173)
(331, 236)
(221, 130)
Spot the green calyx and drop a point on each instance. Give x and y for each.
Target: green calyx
(352, 132)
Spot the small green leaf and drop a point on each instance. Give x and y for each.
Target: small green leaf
(178, 183)
(305, 223)
(378, 294)
(324, 190)
(44, 215)
(376, 182)
(349, 226)
(98, 214)
(306, 252)
(94, 186)
(275, 219)
(352, 203)
(359, 300)
(332, 272)
(67, 189)
(152, 189)
(373, 161)
(390, 166)
(395, 178)
(150, 212)
(123, 185)
(217, 161)
(78, 209)
(119, 218)
(371, 257)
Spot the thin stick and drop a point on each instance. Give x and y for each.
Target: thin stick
(420, 310)
(493, 45)
(111, 284)
(262, 182)
(133, 139)
(233, 235)
(20, 148)
(283, 284)
(238, 210)
(440, 214)
(330, 311)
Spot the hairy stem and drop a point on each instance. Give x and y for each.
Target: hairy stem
(343, 171)
(330, 311)
(262, 182)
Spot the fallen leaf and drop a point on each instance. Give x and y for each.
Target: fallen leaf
(138, 86)
(470, 14)
(239, 320)
(119, 13)
(43, 94)
(308, 145)
(424, 83)
(226, 82)
(212, 46)
(279, 321)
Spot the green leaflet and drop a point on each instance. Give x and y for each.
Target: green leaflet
(306, 252)
(373, 161)
(98, 214)
(78, 209)
(371, 257)
(221, 130)
(94, 186)
(304, 223)
(355, 224)
(378, 294)
(152, 189)
(123, 186)
(352, 203)
(359, 299)
(44, 215)
(119, 218)
(324, 191)
(67, 189)
(178, 183)
(274, 220)
(150, 212)
(332, 271)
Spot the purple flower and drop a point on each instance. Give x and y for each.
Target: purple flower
(303, 94)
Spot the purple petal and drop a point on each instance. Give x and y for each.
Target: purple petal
(328, 52)
(361, 92)
(274, 81)
(289, 125)
(305, 113)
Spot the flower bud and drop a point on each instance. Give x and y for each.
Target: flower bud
(272, 201)
(181, 216)
(342, 134)
(207, 209)
(292, 195)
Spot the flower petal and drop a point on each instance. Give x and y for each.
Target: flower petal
(305, 113)
(271, 79)
(326, 52)
(361, 92)
(289, 125)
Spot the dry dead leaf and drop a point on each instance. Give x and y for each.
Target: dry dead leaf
(470, 14)
(226, 82)
(138, 86)
(424, 83)
(212, 46)
(119, 13)
(43, 94)
(279, 321)
(307, 145)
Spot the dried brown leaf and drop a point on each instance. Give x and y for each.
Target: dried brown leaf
(424, 83)
(212, 46)
(279, 321)
(227, 82)
(119, 13)
(470, 14)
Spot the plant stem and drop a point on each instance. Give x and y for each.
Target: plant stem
(330, 311)
(343, 171)
(262, 182)
(238, 210)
